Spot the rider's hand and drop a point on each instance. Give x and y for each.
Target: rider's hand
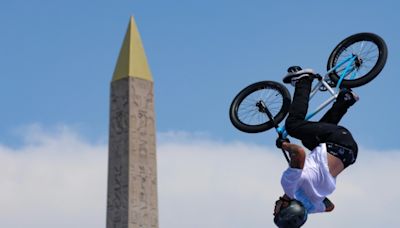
(281, 203)
(280, 141)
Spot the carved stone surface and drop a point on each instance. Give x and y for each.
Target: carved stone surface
(132, 173)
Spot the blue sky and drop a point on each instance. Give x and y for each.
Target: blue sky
(57, 59)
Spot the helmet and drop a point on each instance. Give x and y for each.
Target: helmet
(292, 216)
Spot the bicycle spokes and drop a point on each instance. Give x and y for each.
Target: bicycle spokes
(365, 55)
(253, 108)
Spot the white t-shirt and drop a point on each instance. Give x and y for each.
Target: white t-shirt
(311, 184)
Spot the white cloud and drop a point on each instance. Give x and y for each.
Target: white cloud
(53, 180)
(57, 179)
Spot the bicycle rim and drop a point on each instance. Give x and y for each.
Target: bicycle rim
(249, 114)
(366, 55)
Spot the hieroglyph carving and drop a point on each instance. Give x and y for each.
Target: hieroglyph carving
(132, 183)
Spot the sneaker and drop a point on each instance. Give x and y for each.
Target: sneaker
(347, 96)
(295, 73)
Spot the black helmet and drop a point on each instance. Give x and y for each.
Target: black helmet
(292, 216)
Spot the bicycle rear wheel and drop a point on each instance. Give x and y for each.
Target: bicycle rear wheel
(245, 112)
(370, 54)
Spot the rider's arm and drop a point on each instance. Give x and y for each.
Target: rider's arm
(296, 153)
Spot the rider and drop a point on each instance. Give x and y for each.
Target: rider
(311, 178)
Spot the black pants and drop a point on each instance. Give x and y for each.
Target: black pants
(313, 133)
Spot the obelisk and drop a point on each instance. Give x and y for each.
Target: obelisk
(132, 173)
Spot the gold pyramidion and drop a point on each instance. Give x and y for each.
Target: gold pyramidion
(132, 61)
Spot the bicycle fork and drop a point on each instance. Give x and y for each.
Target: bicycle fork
(263, 108)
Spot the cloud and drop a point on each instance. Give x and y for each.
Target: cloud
(54, 180)
(58, 179)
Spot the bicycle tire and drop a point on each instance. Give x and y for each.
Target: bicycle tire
(364, 55)
(276, 98)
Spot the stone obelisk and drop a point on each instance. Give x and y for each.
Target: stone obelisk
(132, 173)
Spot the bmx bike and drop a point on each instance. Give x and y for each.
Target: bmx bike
(354, 62)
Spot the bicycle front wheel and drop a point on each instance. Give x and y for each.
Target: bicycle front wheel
(370, 54)
(245, 111)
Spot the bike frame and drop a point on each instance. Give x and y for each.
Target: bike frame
(322, 82)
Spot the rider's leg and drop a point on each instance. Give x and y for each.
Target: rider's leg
(313, 133)
(298, 108)
(297, 126)
(344, 101)
(335, 113)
